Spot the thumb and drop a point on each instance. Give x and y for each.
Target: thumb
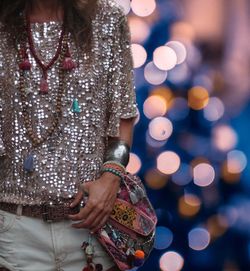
(77, 199)
(84, 187)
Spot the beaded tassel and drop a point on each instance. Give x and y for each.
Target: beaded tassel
(75, 106)
(68, 63)
(29, 163)
(44, 86)
(25, 65)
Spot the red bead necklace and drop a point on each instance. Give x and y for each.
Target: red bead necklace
(25, 65)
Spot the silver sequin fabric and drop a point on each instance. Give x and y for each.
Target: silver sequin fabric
(105, 91)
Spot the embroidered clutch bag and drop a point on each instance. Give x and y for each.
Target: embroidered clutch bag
(129, 233)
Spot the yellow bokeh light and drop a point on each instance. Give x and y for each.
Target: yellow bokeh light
(164, 93)
(155, 180)
(229, 177)
(198, 98)
(217, 226)
(189, 205)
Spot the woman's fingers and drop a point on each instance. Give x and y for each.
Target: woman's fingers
(100, 224)
(87, 222)
(77, 199)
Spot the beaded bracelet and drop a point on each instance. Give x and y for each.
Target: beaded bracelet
(115, 172)
(115, 163)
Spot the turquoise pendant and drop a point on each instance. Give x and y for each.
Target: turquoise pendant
(75, 106)
(29, 163)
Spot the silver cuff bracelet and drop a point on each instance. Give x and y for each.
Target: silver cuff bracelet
(117, 150)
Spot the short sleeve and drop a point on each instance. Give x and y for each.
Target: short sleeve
(121, 85)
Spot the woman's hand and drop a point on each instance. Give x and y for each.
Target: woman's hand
(102, 194)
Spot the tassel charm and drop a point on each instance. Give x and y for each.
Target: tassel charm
(29, 163)
(68, 64)
(25, 65)
(75, 106)
(44, 86)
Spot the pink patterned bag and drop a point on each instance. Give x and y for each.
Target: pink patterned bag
(129, 233)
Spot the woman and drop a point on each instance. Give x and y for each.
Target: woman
(67, 108)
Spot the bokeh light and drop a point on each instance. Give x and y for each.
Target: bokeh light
(189, 205)
(160, 128)
(155, 180)
(180, 50)
(164, 58)
(168, 162)
(224, 137)
(214, 110)
(171, 261)
(204, 174)
(139, 30)
(143, 7)
(198, 98)
(154, 75)
(139, 55)
(154, 106)
(163, 238)
(198, 238)
(134, 164)
(236, 161)
(216, 225)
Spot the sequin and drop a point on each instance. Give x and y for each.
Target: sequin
(104, 89)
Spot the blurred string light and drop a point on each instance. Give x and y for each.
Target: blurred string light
(214, 110)
(198, 238)
(139, 55)
(139, 29)
(155, 180)
(154, 106)
(134, 164)
(153, 143)
(236, 161)
(189, 205)
(203, 174)
(182, 30)
(217, 225)
(171, 261)
(168, 162)
(164, 58)
(180, 50)
(179, 74)
(198, 98)
(224, 138)
(163, 238)
(154, 75)
(143, 8)
(160, 128)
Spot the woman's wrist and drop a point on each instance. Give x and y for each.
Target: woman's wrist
(111, 177)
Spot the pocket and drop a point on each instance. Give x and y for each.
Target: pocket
(7, 221)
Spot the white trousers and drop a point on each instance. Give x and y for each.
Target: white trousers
(30, 244)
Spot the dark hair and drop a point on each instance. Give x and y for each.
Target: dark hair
(78, 17)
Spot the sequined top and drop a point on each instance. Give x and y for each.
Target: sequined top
(105, 91)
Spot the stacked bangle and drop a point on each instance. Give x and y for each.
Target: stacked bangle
(115, 165)
(114, 168)
(115, 172)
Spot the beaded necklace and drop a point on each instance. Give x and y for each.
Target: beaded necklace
(65, 64)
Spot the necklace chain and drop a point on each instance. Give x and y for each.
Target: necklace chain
(61, 53)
